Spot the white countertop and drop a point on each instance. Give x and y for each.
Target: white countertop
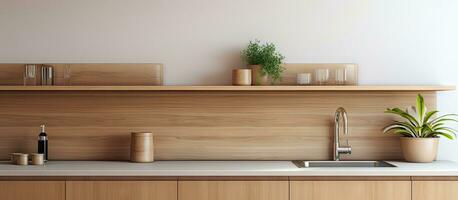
(219, 168)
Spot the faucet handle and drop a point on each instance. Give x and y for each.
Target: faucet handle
(348, 147)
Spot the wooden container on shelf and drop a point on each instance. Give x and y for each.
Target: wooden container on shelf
(37, 159)
(241, 77)
(257, 76)
(22, 159)
(14, 157)
(142, 147)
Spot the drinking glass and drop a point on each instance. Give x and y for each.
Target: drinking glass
(304, 79)
(340, 76)
(321, 76)
(67, 75)
(30, 75)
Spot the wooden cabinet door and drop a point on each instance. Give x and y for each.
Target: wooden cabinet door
(350, 190)
(233, 190)
(28, 190)
(435, 190)
(121, 190)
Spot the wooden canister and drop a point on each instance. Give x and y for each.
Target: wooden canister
(37, 158)
(14, 157)
(22, 159)
(142, 148)
(241, 77)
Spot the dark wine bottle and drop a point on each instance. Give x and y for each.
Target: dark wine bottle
(43, 143)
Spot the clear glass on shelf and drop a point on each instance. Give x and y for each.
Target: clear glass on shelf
(304, 79)
(340, 76)
(67, 75)
(30, 75)
(321, 76)
(351, 74)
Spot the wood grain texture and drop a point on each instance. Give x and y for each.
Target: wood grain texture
(350, 190)
(117, 74)
(435, 178)
(121, 190)
(93, 74)
(350, 178)
(36, 190)
(231, 190)
(141, 147)
(365, 88)
(11, 74)
(233, 178)
(199, 125)
(434, 190)
(89, 178)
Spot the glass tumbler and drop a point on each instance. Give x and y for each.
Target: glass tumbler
(304, 79)
(321, 76)
(340, 76)
(30, 75)
(67, 75)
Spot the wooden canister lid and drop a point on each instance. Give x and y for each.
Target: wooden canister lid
(142, 134)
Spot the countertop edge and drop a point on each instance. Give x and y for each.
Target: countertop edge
(219, 168)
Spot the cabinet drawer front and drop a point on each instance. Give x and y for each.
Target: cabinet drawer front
(233, 190)
(350, 190)
(121, 190)
(435, 190)
(36, 190)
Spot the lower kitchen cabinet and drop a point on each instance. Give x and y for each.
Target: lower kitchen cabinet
(32, 190)
(350, 190)
(435, 190)
(121, 190)
(195, 189)
(233, 190)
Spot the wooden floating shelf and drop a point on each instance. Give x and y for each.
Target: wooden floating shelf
(233, 88)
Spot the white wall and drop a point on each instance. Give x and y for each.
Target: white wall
(394, 41)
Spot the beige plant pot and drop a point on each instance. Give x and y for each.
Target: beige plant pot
(419, 150)
(257, 78)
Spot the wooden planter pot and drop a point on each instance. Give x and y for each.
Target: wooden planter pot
(419, 150)
(257, 77)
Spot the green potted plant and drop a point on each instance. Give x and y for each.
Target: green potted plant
(420, 131)
(264, 61)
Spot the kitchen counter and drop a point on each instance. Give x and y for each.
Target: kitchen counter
(219, 168)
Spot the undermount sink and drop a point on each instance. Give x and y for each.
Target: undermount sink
(311, 164)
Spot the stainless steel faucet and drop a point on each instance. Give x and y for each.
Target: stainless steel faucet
(340, 113)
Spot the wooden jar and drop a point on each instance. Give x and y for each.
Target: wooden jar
(22, 159)
(142, 148)
(37, 159)
(241, 77)
(14, 157)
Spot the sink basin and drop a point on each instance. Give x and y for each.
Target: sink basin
(311, 164)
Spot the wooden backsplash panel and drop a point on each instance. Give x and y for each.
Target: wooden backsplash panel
(117, 74)
(85, 125)
(105, 74)
(11, 74)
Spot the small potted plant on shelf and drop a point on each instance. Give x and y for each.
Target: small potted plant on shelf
(420, 131)
(264, 61)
